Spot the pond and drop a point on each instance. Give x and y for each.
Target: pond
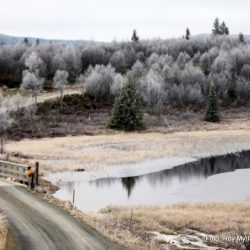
(222, 178)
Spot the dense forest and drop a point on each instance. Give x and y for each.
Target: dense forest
(173, 72)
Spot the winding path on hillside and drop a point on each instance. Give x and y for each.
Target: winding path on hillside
(45, 96)
(34, 224)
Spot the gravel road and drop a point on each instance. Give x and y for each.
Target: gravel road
(36, 225)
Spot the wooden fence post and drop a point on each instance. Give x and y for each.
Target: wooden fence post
(37, 174)
(30, 182)
(74, 192)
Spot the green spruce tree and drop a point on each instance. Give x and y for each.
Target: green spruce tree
(241, 38)
(224, 29)
(26, 41)
(188, 34)
(220, 29)
(127, 114)
(212, 113)
(135, 37)
(216, 27)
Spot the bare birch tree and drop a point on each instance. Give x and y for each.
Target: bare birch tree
(31, 79)
(60, 80)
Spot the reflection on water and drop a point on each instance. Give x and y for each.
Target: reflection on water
(168, 186)
(129, 183)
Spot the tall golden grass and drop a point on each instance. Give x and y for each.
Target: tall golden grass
(218, 219)
(131, 227)
(102, 151)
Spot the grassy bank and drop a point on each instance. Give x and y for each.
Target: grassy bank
(83, 115)
(75, 135)
(102, 151)
(3, 231)
(182, 224)
(133, 229)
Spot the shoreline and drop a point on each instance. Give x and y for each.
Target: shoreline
(98, 153)
(101, 152)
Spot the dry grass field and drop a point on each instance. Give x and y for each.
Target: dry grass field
(218, 219)
(102, 151)
(3, 232)
(136, 228)
(171, 136)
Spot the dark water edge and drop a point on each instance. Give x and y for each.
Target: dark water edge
(220, 178)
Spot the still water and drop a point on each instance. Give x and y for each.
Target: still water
(223, 178)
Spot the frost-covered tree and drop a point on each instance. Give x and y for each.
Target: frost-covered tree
(33, 62)
(60, 80)
(118, 61)
(73, 62)
(245, 71)
(57, 62)
(182, 59)
(221, 58)
(151, 89)
(31, 79)
(138, 70)
(92, 55)
(223, 62)
(5, 122)
(118, 83)
(81, 81)
(205, 63)
(242, 89)
(33, 82)
(30, 110)
(99, 81)
(8, 104)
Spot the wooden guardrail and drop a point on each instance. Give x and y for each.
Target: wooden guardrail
(17, 172)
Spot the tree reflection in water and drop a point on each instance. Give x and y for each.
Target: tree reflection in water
(128, 183)
(200, 169)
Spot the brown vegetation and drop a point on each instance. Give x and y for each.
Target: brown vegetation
(82, 115)
(133, 227)
(75, 117)
(219, 219)
(102, 151)
(3, 231)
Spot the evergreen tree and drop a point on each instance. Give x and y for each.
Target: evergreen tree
(241, 38)
(224, 29)
(135, 37)
(212, 113)
(216, 27)
(26, 41)
(127, 114)
(219, 29)
(187, 36)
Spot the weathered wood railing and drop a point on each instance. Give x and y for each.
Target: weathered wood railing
(17, 172)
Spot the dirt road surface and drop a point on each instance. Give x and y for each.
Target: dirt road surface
(37, 225)
(42, 97)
